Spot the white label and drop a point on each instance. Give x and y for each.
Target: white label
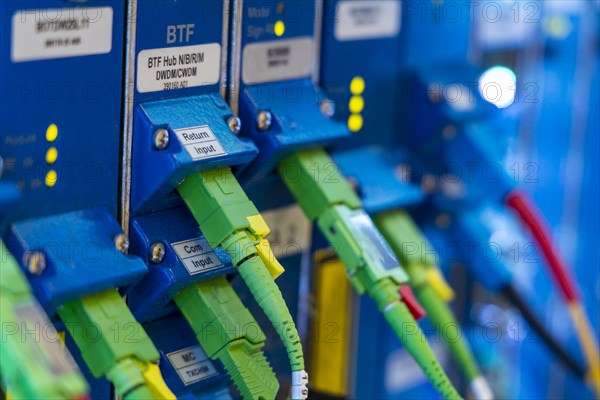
(367, 19)
(277, 60)
(196, 255)
(64, 32)
(172, 68)
(290, 231)
(200, 142)
(192, 364)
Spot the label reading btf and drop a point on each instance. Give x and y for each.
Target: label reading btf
(61, 32)
(356, 20)
(172, 68)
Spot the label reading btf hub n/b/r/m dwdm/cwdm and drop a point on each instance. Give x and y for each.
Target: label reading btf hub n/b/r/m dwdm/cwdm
(178, 67)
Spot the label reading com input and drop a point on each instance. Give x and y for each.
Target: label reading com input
(200, 142)
(192, 364)
(196, 255)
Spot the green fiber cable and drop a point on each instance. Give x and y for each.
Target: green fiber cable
(122, 357)
(228, 332)
(370, 263)
(229, 219)
(404, 237)
(441, 316)
(31, 369)
(385, 293)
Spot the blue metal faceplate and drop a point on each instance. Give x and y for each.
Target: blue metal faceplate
(294, 103)
(84, 105)
(152, 297)
(168, 29)
(382, 186)
(375, 60)
(167, 24)
(80, 252)
(298, 124)
(156, 173)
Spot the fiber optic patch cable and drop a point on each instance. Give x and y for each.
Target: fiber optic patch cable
(470, 142)
(229, 219)
(533, 220)
(31, 369)
(120, 350)
(228, 332)
(432, 291)
(370, 264)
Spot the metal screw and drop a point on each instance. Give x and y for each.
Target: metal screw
(449, 132)
(157, 253)
(161, 139)
(443, 221)
(122, 243)
(264, 120)
(235, 124)
(327, 108)
(434, 92)
(428, 183)
(36, 262)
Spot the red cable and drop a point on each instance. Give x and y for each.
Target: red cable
(531, 217)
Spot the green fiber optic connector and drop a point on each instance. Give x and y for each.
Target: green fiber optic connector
(227, 331)
(410, 245)
(370, 263)
(113, 344)
(229, 219)
(32, 362)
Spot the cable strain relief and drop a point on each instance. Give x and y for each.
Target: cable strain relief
(299, 385)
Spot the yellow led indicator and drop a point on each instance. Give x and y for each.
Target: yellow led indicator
(357, 86)
(52, 133)
(51, 177)
(51, 155)
(356, 104)
(355, 122)
(279, 28)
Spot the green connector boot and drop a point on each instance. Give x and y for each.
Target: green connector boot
(370, 263)
(229, 219)
(126, 359)
(411, 247)
(227, 331)
(31, 368)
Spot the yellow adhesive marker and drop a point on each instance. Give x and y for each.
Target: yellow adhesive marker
(439, 284)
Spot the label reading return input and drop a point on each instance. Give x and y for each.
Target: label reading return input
(200, 142)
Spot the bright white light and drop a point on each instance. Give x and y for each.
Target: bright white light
(498, 85)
